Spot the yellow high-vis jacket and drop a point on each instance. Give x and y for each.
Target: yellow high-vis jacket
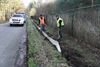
(58, 22)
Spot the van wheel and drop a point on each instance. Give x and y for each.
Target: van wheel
(11, 25)
(22, 24)
(24, 21)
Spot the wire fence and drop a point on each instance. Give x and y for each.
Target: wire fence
(82, 23)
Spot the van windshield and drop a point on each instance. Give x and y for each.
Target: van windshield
(17, 16)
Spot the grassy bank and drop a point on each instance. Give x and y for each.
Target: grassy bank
(41, 53)
(31, 50)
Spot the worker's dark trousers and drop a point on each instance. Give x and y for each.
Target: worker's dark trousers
(42, 27)
(61, 31)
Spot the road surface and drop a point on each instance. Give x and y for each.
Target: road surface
(10, 41)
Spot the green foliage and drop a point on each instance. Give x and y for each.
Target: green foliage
(86, 2)
(76, 3)
(30, 63)
(31, 49)
(97, 1)
(9, 7)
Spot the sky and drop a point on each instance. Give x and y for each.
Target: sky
(26, 2)
(48, 1)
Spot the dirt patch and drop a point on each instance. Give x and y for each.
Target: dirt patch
(80, 54)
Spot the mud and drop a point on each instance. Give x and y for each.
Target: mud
(79, 53)
(73, 57)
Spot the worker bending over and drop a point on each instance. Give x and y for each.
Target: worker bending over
(60, 25)
(42, 23)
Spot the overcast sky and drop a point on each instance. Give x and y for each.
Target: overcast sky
(26, 2)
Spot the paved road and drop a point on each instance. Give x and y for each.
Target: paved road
(10, 41)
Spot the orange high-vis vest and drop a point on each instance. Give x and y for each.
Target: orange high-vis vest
(41, 20)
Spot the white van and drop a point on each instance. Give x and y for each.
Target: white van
(17, 19)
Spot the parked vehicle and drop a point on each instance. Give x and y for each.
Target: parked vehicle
(17, 19)
(24, 15)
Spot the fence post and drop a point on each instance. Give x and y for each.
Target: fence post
(72, 24)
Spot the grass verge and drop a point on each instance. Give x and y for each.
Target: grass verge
(31, 50)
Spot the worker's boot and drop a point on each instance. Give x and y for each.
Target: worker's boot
(58, 39)
(45, 38)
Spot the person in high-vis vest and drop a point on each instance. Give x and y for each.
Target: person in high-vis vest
(42, 23)
(60, 25)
